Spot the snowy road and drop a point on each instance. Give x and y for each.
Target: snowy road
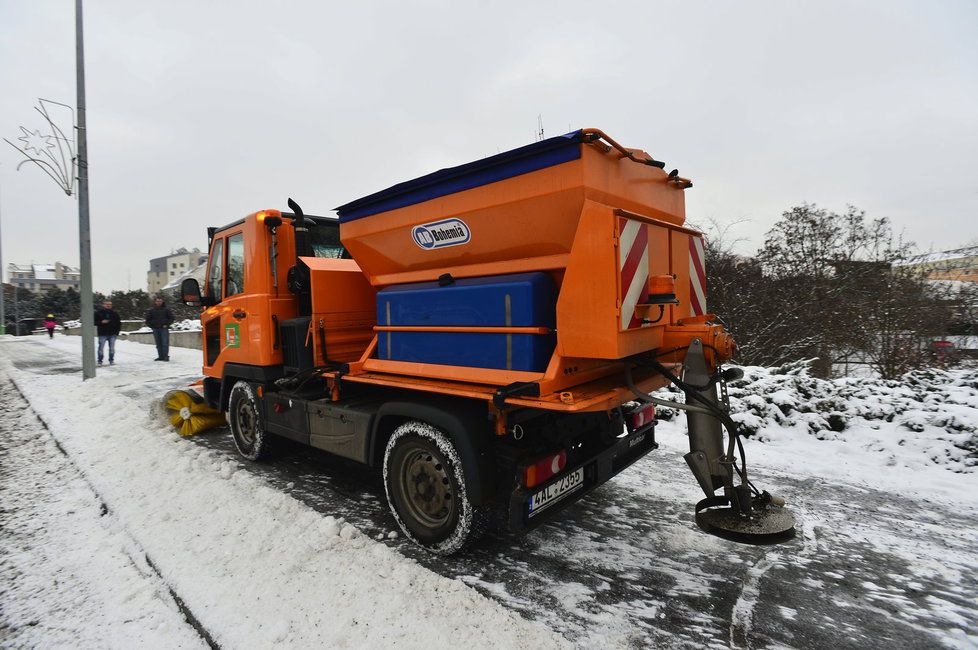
(626, 567)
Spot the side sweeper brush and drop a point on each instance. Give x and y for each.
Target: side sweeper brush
(189, 414)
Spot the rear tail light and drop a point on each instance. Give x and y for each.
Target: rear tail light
(641, 417)
(544, 468)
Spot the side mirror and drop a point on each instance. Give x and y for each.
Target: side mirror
(190, 293)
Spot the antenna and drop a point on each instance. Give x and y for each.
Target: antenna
(540, 127)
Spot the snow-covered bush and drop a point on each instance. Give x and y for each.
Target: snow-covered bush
(186, 325)
(935, 411)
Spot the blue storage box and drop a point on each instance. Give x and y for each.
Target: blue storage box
(518, 300)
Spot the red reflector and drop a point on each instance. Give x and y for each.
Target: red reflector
(643, 416)
(278, 407)
(545, 468)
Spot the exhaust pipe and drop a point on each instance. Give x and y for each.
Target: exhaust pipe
(303, 247)
(298, 279)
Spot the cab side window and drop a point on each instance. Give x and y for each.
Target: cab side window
(214, 275)
(325, 240)
(236, 264)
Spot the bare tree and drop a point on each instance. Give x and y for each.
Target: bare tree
(825, 287)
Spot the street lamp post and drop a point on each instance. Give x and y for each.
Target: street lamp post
(84, 233)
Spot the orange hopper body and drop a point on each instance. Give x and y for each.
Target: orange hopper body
(604, 222)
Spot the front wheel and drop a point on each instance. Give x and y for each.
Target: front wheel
(247, 429)
(425, 484)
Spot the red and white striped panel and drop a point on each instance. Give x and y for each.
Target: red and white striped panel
(633, 265)
(697, 277)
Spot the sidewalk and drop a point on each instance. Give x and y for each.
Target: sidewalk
(69, 574)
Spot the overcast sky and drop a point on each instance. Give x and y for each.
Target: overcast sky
(201, 112)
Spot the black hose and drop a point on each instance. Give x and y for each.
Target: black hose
(732, 429)
(743, 472)
(693, 390)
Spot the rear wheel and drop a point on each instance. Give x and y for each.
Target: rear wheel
(425, 484)
(244, 416)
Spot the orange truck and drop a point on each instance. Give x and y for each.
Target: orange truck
(488, 334)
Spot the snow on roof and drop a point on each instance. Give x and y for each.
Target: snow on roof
(942, 256)
(43, 271)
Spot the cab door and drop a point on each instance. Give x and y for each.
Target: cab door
(225, 322)
(240, 313)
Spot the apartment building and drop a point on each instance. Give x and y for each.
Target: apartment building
(959, 264)
(38, 278)
(167, 269)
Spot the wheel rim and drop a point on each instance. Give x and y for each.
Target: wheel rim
(427, 488)
(246, 424)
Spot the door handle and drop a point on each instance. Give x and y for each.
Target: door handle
(238, 314)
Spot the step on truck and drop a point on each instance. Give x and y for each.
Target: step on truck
(488, 335)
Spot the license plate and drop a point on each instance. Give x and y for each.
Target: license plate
(557, 491)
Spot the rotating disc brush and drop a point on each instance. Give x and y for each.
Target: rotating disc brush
(189, 414)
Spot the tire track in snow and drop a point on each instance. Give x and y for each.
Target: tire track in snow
(105, 511)
(742, 614)
(743, 610)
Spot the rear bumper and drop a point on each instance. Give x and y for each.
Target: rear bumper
(597, 469)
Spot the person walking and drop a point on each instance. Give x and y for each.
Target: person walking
(159, 318)
(107, 325)
(49, 325)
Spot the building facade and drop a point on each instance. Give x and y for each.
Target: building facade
(166, 270)
(38, 278)
(960, 264)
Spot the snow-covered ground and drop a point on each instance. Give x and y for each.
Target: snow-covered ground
(255, 567)
(71, 574)
(136, 537)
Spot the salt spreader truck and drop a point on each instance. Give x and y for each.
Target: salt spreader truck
(487, 334)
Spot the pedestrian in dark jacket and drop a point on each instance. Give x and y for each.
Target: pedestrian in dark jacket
(107, 325)
(159, 318)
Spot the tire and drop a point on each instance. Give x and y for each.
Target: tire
(425, 483)
(247, 429)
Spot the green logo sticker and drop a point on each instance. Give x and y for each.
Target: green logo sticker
(232, 337)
